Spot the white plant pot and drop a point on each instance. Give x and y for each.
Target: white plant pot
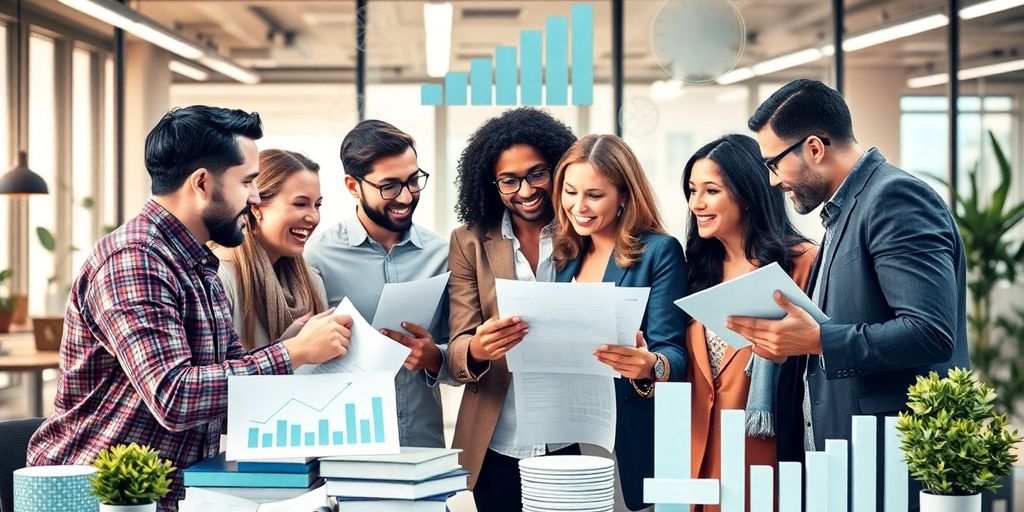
(148, 507)
(938, 503)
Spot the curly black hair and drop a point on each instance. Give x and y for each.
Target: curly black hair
(479, 202)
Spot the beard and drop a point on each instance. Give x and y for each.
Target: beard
(222, 223)
(809, 190)
(380, 216)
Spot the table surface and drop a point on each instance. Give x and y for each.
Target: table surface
(22, 354)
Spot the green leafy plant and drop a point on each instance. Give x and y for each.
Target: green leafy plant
(130, 475)
(985, 222)
(953, 441)
(6, 300)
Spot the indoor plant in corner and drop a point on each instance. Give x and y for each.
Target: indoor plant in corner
(130, 478)
(954, 443)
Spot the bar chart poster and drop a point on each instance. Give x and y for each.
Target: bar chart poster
(279, 416)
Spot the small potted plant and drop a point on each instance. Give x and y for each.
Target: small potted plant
(130, 478)
(953, 442)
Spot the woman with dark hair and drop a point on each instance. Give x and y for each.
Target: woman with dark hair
(738, 223)
(610, 230)
(505, 200)
(266, 280)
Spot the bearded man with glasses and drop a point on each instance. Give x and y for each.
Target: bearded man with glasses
(380, 244)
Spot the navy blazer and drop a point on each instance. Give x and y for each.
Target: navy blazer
(663, 268)
(894, 287)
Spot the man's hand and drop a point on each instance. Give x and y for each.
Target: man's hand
(631, 362)
(497, 336)
(324, 337)
(425, 355)
(796, 334)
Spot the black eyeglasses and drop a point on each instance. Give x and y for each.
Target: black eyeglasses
(535, 177)
(773, 163)
(391, 190)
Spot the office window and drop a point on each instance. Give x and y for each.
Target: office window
(6, 160)
(83, 159)
(42, 139)
(108, 207)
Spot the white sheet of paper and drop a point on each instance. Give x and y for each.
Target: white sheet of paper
(412, 301)
(630, 305)
(567, 321)
(564, 408)
(202, 500)
(369, 350)
(310, 501)
(748, 295)
(277, 416)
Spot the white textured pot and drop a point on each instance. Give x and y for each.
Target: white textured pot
(938, 503)
(148, 507)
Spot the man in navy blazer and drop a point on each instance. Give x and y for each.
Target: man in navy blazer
(890, 275)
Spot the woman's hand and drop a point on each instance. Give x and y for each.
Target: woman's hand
(632, 362)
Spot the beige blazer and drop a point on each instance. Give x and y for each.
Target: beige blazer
(476, 258)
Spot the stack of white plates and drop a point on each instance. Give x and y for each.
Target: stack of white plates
(568, 482)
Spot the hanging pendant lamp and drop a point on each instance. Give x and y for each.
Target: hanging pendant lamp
(21, 180)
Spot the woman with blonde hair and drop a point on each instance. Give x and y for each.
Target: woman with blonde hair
(610, 230)
(265, 278)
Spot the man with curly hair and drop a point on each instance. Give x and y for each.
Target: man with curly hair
(504, 181)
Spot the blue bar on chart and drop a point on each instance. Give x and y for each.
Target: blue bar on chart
(431, 94)
(864, 447)
(733, 460)
(790, 483)
(583, 54)
(671, 423)
(838, 452)
(282, 433)
(455, 88)
(896, 476)
(762, 488)
(531, 66)
(254, 438)
(817, 482)
(268, 440)
(324, 429)
(505, 75)
(338, 439)
(350, 422)
(364, 432)
(378, 419)
(480, 81)
(310, 439)
(556, 76)
(296, 439)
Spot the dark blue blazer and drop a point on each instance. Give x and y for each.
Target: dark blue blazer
(663, 268)
(894, 287)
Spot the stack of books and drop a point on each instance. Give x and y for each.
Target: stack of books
(415, 480)
(258, 481)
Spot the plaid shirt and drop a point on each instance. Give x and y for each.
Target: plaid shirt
(148, 346)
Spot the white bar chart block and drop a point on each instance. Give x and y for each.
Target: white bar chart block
(864, 485)
(838, 452)
(896, 477)
(672, 492)
(762, 489)
(672, 422)
(733, 460)
(817, 482)
(790, 486)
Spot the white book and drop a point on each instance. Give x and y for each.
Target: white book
(413, 464)
(398, 490)
(360, 505)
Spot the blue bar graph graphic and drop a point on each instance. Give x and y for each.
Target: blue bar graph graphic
(284, 433)
(546, 59)
(480, 81)
(455, 88)
(505, 75)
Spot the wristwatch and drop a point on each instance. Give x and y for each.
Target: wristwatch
(659, 366)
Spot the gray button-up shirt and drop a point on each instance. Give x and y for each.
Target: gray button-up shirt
(354, 265)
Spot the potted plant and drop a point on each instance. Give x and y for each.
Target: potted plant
(6, 303)
(130, 478)
(953, 441)
(49, 329)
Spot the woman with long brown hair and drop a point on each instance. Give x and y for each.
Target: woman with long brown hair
(610, 230)
(266, 279)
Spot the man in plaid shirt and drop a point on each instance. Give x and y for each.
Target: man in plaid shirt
(148, 343)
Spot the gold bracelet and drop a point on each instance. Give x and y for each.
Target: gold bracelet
(648, 392)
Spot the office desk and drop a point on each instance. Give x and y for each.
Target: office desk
(23, 357)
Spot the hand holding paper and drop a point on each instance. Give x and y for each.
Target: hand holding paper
(425, 353)
(369, 351)
(631, 362)
(795, 335)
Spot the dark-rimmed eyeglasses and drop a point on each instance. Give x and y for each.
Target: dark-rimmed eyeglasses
(393, 189)
(536, 177)
(773, 163)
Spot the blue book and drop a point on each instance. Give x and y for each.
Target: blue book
(218, 472)
(297, 465)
